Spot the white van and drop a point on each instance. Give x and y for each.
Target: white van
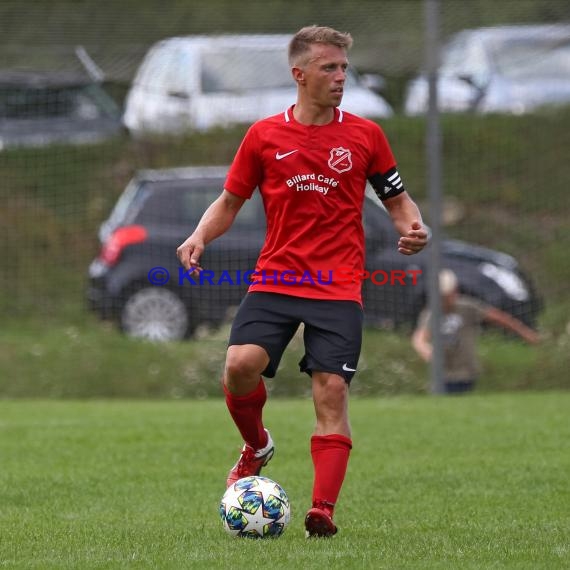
(502, 69)
(201, 82)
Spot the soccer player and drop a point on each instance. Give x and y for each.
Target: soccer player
(311, 164)
(460, 327)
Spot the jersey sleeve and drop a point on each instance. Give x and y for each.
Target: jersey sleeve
(244, 174)
(383, 173)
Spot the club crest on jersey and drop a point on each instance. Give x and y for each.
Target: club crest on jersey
(340, 159)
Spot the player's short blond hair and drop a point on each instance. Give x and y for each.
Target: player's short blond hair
(309, 35)
(447, 282)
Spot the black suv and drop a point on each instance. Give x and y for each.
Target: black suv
(136, 278)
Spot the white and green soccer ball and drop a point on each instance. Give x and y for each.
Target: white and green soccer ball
(255, 507)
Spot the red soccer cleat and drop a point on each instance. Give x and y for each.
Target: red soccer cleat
(319, 523)
(251, 461)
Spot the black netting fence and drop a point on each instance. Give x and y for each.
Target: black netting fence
(118, 119)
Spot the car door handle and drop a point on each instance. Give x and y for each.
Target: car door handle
(179, 94)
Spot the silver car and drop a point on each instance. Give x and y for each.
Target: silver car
(201, 82)
(40, 108)
(505, 69)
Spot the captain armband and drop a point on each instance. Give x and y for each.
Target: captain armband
(387, 185)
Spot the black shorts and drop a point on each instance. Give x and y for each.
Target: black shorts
(332, 335)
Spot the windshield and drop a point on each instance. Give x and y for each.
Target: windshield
(240, 69)
(532, 57)
(22, 102)
(464, 57)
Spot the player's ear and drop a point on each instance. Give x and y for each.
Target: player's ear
(298, 75)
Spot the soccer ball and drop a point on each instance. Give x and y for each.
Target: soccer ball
(255, 507)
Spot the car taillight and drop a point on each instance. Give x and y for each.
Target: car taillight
(118, 240)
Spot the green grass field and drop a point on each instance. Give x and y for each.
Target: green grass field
(475, 482)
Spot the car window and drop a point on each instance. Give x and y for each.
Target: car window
(532, 57)
(180, 76)
(173, 203)
(251, 214)
(242, 69)
(465, 56)
(182, 202)
(197, 200)
(454, 55)
(23, 102)
(378, 227)
(155, 69)
(119, 212)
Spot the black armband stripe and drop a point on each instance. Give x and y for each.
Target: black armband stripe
(387, 185)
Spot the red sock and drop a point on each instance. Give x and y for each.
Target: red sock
(246, 412)
(330, 455)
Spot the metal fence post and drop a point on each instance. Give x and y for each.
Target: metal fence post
(434, 179)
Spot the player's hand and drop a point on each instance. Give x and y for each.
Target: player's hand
(189, 253)
(415, 240)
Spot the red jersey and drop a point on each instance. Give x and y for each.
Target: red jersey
(312, 180)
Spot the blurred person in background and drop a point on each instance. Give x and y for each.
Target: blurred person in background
(461, 322)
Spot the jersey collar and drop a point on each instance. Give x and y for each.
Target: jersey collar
(288, 115)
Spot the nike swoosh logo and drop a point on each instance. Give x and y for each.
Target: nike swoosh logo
(347, 369)
(285, 154)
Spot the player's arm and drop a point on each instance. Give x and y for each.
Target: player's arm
(408, 222)
(508, 322)
(215, 221)
(403, 210)
(422, 343)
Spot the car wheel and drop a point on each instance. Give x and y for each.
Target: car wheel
(156, 314)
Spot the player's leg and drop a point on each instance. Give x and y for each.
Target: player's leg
(260, 332)
(330, 397)
(330, 450)
(245, 397)
(245, 393)
(333, 337)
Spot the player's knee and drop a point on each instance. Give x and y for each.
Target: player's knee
(238, 369)
(331, 391)
(242, 363)
(337, 395)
